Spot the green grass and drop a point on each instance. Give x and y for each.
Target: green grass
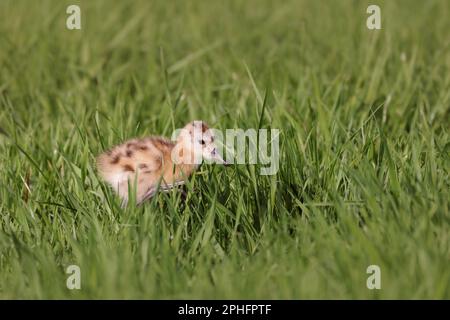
(365, 148)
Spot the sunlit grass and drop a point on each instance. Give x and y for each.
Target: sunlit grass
(364, 149)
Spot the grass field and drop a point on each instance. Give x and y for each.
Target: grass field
(364, 149)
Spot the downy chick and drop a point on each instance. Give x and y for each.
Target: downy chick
(149, 162)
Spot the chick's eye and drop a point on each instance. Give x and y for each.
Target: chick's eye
(202, 141)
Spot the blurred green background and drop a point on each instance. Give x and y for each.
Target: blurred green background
(364, 171)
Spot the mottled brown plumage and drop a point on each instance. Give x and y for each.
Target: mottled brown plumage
(156, 161)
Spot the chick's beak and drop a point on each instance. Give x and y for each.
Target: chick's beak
(218, 158)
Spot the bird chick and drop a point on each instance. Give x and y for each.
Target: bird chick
(154, 162)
